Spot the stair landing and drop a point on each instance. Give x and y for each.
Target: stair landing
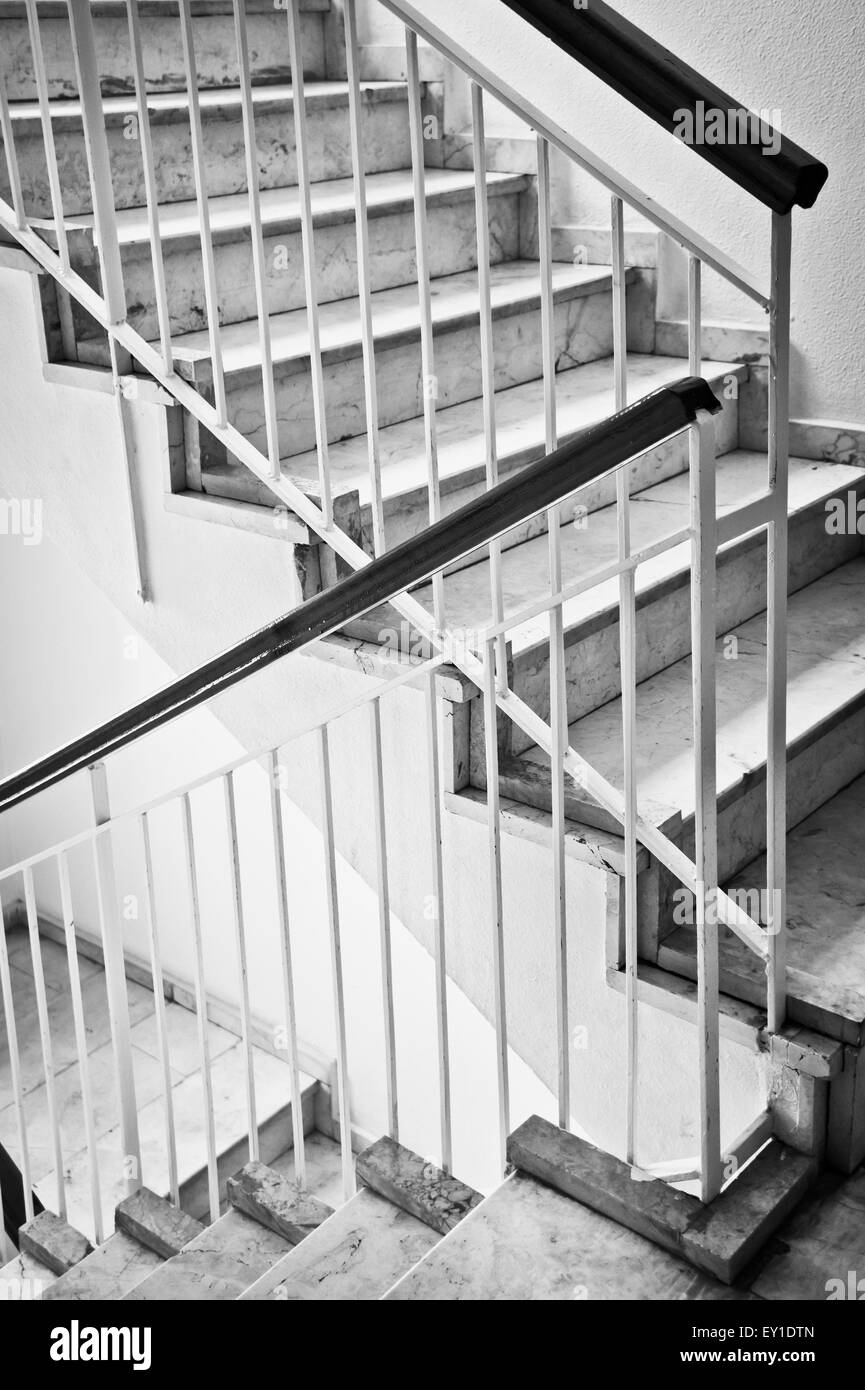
(825, 924)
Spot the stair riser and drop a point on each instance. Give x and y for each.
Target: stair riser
(392, 262)
(664, 624)
(213, 38)
(815, 772)
(408, 515)
(386, 143)
(583, 331)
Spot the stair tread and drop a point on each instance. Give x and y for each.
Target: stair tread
(658, 511)
(823, 1240)
(825, 921)
(211, 100)
(529, 1242)
(110, 1272)
(826, 655)
(584, 396)
(219, 1264)
(332, 200)
(24, 1275)
(515, 286)
(357, 1254)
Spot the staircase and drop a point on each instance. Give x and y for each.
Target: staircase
(499, 341)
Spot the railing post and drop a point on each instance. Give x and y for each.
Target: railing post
(776, 633)
(703, 580)
(98, 161)
(115, 978)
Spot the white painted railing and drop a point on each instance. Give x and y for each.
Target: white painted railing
(486, 663)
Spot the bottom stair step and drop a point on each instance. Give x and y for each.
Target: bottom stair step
(110, 1272)
(527, 1242)
(721, 1237)
(356, 1255)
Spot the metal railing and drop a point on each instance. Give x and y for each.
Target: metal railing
(604, 450)
(487, 665)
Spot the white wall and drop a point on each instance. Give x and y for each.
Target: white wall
(801, 59)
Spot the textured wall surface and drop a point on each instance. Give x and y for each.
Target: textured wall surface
(800, 59)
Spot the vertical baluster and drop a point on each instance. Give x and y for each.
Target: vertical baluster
(439, 951)
(15, 1071)
(427, 345)
(127, 453)
(242, 966)
(703, 546)
(620, 309)
(98, 161)
(7, 1249)
(159, 1008)
(200, 1004)
(11, 158)
(208, 262)
(488, 363)
(115, 976)
(383, 888)
(363, 274)
(278, 836)
(628, 661)
(259, 264)
(776, 703)
(309, 266)
(48, 132)
(151, 192)
(336, 963)
(45, 1037)
(558, 684)
(496, 899)
(81, 1043)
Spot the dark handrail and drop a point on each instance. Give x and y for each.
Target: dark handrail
(661, 86)
(533, 490)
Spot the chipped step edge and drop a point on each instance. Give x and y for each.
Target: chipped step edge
(259, 1192)
(416, 1186)
(82, 377)
(720, 1238)
(54, 1242)
(385, 663)
(274, 523)
(155, 1223)
(801, 1049)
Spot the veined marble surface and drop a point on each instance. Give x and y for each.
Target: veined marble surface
(219, 1264)
(356, 1255)
(215, 51)
(108, 1273)
(386, 143)
(528, 1243)
(392, 255)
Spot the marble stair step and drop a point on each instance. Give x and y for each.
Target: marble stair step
(219, 1264)
(527, 1242)
(386, 142)
(826, 728)
(825, 924)
(356, 1255)
(584, 397)
(583, 332)
(393, 261)
(663, 583)
(162, 51)
(108, 1273)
